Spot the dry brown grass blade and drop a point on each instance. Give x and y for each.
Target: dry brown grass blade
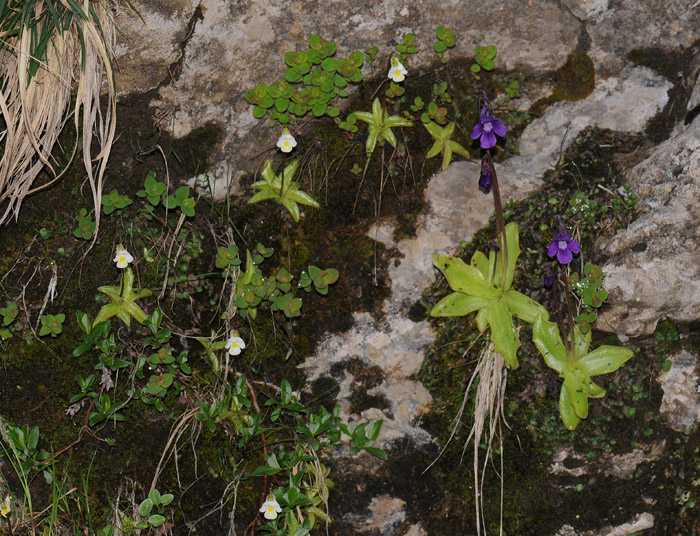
(35, 110)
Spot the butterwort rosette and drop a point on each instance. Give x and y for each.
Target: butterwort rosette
(563, 246)
(486, 176)
(488, 127)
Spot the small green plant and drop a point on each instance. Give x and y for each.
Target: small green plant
(380, 125)
(9, 315)
(282, 189)
(153, 190)
(323, 79)
(155, 502)
(371, 55)
(444, 144)
(445, 40)
(181, 199)
(86, 225)
(114, 201)
(485, 286)
(123, 301)
(576, 365)
(24, 444)
(590, 291)
(483, 59)
(320, 279)
(52, 325)
(349, 124)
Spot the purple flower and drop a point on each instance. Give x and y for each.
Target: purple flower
(486, 177)
(487, 126)
(548, 278)
(563, 246)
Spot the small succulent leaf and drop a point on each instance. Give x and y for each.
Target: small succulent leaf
(303, 198)
(447, 157)
(435, 150)
(603, 360)
(371, 140)
(263, 195)
(458, 304)
(524, 307)
(289, 171)
(377, 111)
(595, 390)
(566, 410)
(481, 263)
(581, 342)
(463, 277)
(145, 507)
(503, 333)
(268, 173)
(482, 320)
(434, 130)
(396, 121)
(363, 116)
(457, 148)
(292, 207)
(389, 136)
(546, 337)
(576, 386)
(156, 520)
(513, 242)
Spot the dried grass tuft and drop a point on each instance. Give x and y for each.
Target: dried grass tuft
(47, 49)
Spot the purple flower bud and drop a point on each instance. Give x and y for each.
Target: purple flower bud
(493, 245)
(548, 278)
(486, 177)
(487, 126)
(563, 246)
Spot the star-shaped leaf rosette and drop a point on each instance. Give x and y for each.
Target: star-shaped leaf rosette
(576, 366)
(380, 125)
(123, 301)
(282, 189)
(485, 286)
(444, 144)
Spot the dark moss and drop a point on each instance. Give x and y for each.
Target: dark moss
(576, 79)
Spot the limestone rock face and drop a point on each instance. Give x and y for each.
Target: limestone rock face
(224, 48)
(617, 27)
(651, 268)
(680, 405)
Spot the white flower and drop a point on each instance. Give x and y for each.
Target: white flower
(270, 508)
(397, 72)
(123, 257)
(234, 345)
(5, 507)
(286, 141)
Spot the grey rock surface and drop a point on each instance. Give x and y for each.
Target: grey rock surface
(680, 406)
(651, 268)
(234, 46)
(204, 55)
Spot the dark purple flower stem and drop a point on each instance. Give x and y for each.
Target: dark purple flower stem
(498, 208)
(570, 352)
